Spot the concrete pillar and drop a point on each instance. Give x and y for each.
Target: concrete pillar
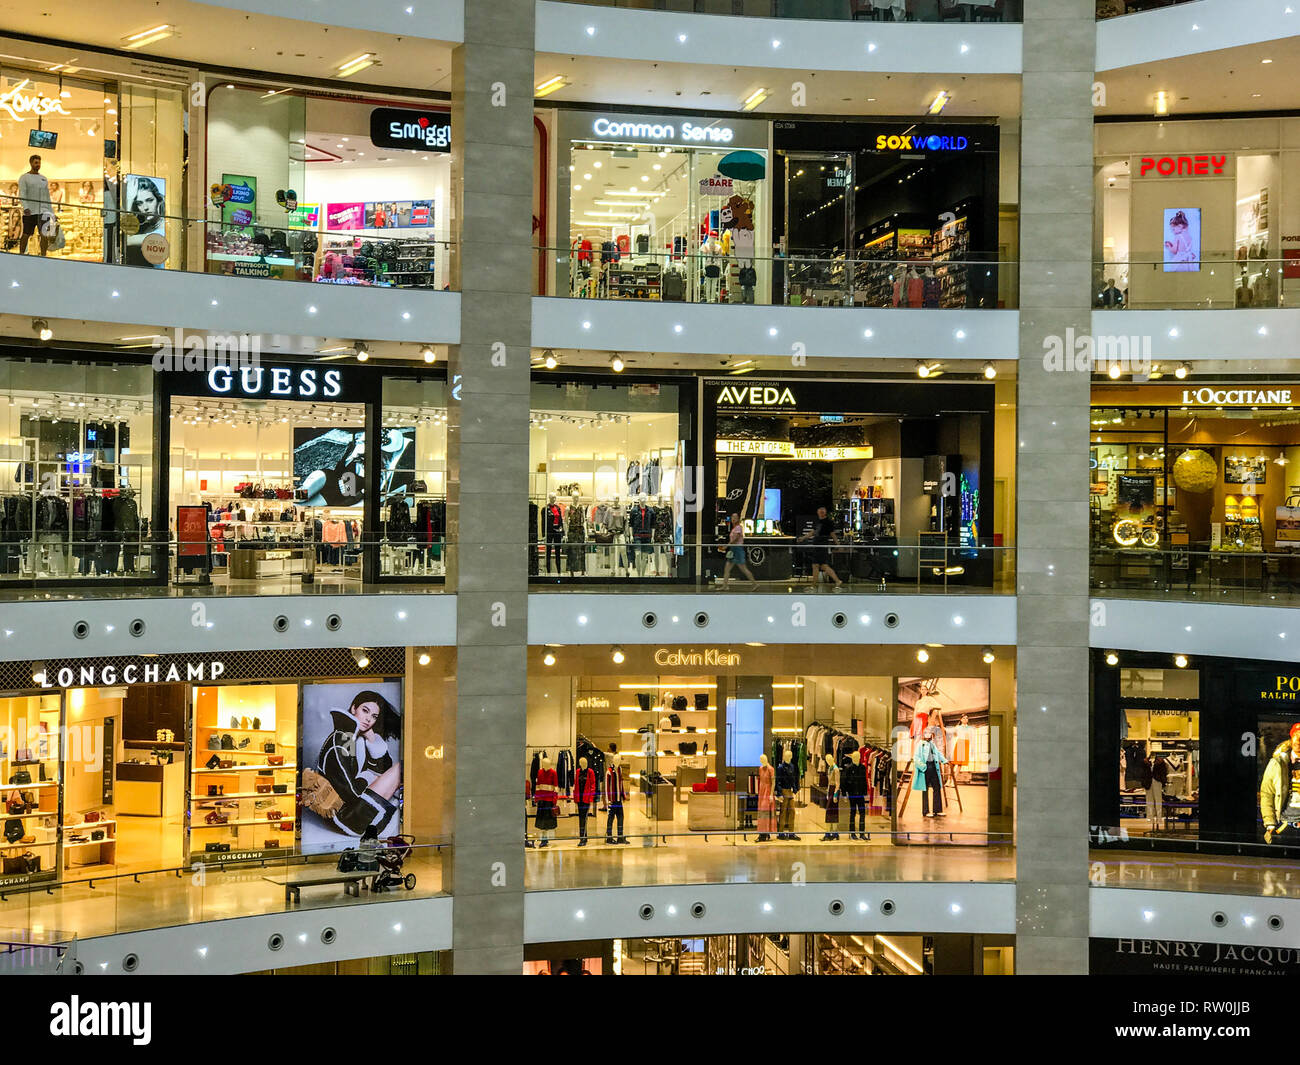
(487, 441)
(1052, 490)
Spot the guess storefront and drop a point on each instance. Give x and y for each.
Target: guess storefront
(134, 763)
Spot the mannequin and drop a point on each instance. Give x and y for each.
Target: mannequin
(585, 790)
(787, 786)
(615, 796)
(832, 799)
(618, 526)
(553, 528)
(641, 519)
(577, 537)
(766, 803)
(853, 779)
(927, 774)
(547, 796)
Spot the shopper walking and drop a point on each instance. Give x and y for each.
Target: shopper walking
(735, 552)
(822, 535)
(34, 195)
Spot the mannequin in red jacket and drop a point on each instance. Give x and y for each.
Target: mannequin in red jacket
(585, 790)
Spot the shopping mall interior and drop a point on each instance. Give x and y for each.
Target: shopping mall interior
(576, 487)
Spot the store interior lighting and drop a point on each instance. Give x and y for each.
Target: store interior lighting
(618, 656)
(42, 329)
(1112, 659)
(1182, 371)
(988, 656)
(149, 36)
(990, 371)
(429, 354)
(361, 351)
(550, 85)
(361, 657)
(548, 658)
(754, 99)
(356, 64)
(616, 363)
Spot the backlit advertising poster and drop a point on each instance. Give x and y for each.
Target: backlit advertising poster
(351, 763)
(1278, 752)
(1182, 240)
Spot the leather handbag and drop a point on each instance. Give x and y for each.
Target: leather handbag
(687, 748)
(275, 759)
(97, 835)
(279, 789)
(318, 794)
(268, 748)
(270, 845)
(16, 804)
(225, 763)
(214, 789)
(262, 789)
(91, 817)
(701, 701)
(257, 724)
(215, 818)
(20, 777)
(212, 763)
(227, 741)
(286, 826)
(213, 848)
(28, 839)
(214, 742)
(273, 815)
(13, 830)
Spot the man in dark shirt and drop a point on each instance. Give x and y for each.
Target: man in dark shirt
(822, 536)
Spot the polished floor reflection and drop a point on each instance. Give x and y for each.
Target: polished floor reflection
(1228, 875)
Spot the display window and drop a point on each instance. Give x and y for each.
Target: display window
(155, 762)
(814, 954)
(332, 189)
(663, 207)
(1199, 471)
(887, 215)
(761, 745)
(109, 169)
(1185, 217)
(77, 481)
(1201, 752)
(281, 490)
(606, 494)
(850, 480)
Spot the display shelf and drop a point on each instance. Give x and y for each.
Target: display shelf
(231, 728)
(88, 843)
(240, 769)
(28, 817)
(196, 825)
(199, 799)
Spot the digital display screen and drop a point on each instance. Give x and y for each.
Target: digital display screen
(772, 504)
(744, 731)
(42, 138)
(1182, 240)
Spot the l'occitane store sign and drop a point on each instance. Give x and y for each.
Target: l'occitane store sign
(712, 656)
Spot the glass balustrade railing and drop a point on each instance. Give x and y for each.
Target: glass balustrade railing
(56, 910)
(845, 10)
(1231, 575)
(802, 278)
(714, 854)
(363, 254)
(285, 563)
(1186, 278)
(1167, 852)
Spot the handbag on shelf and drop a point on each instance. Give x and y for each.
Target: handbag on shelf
(257, 724)
(213, 848)
(286, 826)
(17, 804)
(20, 777)
(227, 742)
(28, 839)
(275, 759)
(13, 830)
(268, 748)
(212, 763)
(225, 763)
(214, 742)
(271, 844)
(279, 789)
(273, 815)
(91, 817)
(262, 789)
(97, 835)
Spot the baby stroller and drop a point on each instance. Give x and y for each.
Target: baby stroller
(391, 856)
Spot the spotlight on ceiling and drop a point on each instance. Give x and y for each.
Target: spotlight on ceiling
(988, 656)
(922, 655)
(990, 371)
(548, 658)
(361, 657)
(617, 364)
(1180, 661)
(42, 329)
(429, 354)
(1114, 371)
(1112, 659)
(1182, 371)
(361, 351)
(424, 659)
(618, 656)
(550, 361)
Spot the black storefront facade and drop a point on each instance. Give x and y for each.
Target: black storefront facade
(1218, 723)
(114, 456)
(904, 469)
(886, 213)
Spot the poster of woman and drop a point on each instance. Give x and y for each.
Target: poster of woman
(145, 200)
(352, 771)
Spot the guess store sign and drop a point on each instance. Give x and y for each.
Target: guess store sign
(1184, 166)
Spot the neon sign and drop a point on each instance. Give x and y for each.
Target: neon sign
(19, 104)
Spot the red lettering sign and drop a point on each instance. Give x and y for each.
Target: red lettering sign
(1169, 165)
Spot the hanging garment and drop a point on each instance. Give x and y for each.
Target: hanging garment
(766, 800)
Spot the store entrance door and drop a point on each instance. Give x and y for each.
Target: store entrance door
(818, 229)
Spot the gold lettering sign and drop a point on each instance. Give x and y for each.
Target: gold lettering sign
(784, 449)
(712, 656)
(1286, 689)
(593, 702)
